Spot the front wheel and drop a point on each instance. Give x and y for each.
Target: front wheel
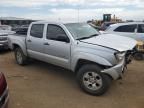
(21, 59)
(92, 81)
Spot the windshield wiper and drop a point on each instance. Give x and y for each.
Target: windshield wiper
(87, 37)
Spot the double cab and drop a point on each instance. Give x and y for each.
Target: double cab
(95, 58)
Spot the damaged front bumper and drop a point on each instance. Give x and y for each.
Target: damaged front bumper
(116, 71)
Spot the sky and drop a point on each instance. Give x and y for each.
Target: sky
(72, 10)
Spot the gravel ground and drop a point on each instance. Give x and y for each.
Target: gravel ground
(41, 85)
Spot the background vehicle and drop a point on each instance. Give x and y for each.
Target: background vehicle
(133, 30)
(18, 27)
(96, 59)
(105, 25)
(5, 27)
(15, 27)
(4, 96)
(3, 38)
(22, 30)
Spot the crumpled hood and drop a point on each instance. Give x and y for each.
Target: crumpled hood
(116, 42)
(6, 32)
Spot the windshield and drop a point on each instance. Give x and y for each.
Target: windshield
(81, 30)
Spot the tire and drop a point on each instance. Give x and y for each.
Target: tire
(138, 56)
(97, 85)
(21, 59)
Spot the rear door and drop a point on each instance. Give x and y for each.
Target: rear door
(35, 41)
(57, 51)
(126, 30)
(140, 32)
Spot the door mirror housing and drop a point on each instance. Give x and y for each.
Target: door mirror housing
(63, 38)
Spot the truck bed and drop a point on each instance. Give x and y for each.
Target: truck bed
(15, 37)
(18, 40)
(20, 35)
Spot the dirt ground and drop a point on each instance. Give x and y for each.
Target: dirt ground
(41, 85)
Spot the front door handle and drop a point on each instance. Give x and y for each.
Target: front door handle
(46, 43)
(29, 40)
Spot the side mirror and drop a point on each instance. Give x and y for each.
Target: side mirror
(63, 38)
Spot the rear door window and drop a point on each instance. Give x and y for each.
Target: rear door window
(141, 28)
(126, 28)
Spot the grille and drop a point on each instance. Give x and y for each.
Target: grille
(3, 38)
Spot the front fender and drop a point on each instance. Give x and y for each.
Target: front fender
(90, 57)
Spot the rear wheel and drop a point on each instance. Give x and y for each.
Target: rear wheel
(92, 81)
(21, 59)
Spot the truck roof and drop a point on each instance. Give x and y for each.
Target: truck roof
(48, 22)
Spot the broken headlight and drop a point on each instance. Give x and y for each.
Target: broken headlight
(120, 55)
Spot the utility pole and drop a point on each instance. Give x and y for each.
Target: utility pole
(78, 15)
(78, 11)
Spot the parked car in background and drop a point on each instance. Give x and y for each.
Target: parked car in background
(15, 27)
(4, 32)
(105, 25)
(5, 27)
(133, 30)
(24, 26)
(22, 30)
(4, 95)
(96, 59)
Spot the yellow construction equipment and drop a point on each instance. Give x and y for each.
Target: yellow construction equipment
(140, 51)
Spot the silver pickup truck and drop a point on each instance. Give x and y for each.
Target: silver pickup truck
(96, 59)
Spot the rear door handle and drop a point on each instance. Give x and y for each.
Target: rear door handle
(29, 40)
(46, 43)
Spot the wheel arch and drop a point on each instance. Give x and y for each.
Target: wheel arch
(82, 62)
(15, 45)
(84, 58)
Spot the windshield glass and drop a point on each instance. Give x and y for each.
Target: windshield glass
(81, 30)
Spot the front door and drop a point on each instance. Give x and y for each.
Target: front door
(57, 46)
